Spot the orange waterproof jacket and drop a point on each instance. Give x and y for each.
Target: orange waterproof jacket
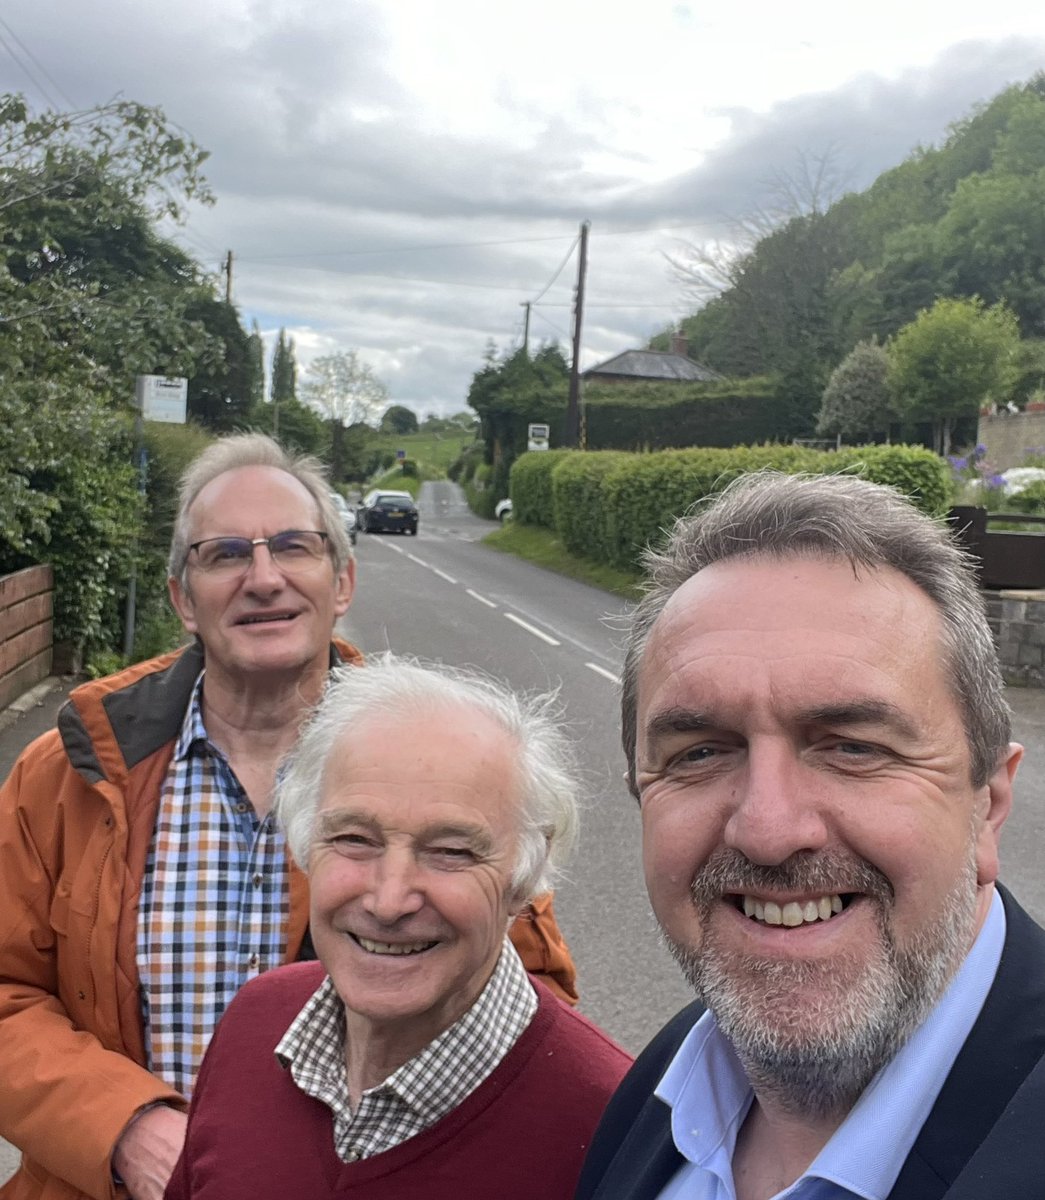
(76, 818)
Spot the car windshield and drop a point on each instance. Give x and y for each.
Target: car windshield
(395, 498)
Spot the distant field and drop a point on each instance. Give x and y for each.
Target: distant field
(434, 451)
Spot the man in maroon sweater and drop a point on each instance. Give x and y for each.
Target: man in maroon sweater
(417, 1057)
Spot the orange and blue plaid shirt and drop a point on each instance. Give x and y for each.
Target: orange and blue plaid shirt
(214, 903)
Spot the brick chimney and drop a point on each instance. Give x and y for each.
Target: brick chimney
(679, 344)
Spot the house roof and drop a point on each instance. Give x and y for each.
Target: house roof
(653, 364)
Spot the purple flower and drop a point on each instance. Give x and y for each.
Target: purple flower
(959, 464)
(995, 481)
(980, 451)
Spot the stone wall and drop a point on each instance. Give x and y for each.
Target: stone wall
(1009, 436)
(1018, 623)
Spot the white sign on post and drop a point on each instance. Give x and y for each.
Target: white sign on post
(162, 398)
(537, 436)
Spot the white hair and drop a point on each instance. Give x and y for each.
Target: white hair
(401, 689)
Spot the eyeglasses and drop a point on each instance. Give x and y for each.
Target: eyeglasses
(292, 550)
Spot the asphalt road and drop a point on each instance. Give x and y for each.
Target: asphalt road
(442, 595)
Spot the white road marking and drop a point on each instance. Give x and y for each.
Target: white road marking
(443, 575)
(481, 599)
(603, 672)
(420, 561)
(531, 629)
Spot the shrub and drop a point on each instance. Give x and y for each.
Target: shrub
(530, 486)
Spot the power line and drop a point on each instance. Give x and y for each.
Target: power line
(47, 75)
(398, 249)
(562, 267)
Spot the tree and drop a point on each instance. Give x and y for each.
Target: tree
(399, 419)
(948, 360)
(345, 390)
(90, 295)
(857, 403)
(284, 379)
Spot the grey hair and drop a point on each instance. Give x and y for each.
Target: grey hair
(399, 689)
(773, 515)
(254, 450)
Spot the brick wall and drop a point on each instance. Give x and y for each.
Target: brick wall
(25, 630)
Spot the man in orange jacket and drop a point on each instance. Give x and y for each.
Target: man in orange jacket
(142, 878)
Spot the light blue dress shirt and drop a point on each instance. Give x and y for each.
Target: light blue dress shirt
(709, 1096)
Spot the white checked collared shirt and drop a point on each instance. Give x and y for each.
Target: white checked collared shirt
(424, 1089)
(214, 902)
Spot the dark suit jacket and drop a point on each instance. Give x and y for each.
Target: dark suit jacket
(984, 1139)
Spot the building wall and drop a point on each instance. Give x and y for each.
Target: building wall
(1010, 436)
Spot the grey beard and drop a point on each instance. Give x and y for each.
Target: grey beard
(804, 1039)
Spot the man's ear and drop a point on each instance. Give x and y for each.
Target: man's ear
(181, 601)
(995, 808)
(344, 586)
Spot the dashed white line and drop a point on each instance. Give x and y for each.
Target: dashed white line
(539, 633)
(603, 672)
(481, 599)
(443, 575)
(420, 561)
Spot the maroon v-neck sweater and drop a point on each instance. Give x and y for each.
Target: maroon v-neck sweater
(521, 1135)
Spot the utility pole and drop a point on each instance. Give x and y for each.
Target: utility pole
(526, 329)
(573, 404)
(226, 266)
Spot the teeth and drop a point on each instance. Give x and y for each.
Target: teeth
(393, 947)
(792, 914)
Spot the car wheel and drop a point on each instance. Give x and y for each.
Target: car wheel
(413, 532)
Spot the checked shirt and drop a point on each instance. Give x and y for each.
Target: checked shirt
(424, 1089)
(214, 902)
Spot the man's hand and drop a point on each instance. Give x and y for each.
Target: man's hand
(147, 1150)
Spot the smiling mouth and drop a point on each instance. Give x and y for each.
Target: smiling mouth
(265, 618)
(393, 948)
(794, 912)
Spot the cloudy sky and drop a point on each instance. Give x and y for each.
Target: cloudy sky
(399, 176)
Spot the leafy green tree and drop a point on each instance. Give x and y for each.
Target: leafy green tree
(510, 391)
(398, 419)
(857, 403)
(284, 370)
(345, 391)
(948, 360)
(91, 295)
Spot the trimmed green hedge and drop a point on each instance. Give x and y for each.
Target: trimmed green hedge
(577, 481)
(611, 505)
(530, 486)
(658, 416)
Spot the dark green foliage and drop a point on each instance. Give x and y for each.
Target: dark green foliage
(284, 370)
(857, 403)
(407, 466)
(511, 391)
(398, 419)
(657, 416)
(958, 221)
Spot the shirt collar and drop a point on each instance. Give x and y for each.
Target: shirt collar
(434, 1081)
(193, 730)
(709, 1095)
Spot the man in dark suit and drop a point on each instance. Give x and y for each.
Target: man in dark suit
(816, 732)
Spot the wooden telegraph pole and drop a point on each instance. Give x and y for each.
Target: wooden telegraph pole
(573, 405)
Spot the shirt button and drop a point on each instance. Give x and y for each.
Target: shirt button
(241, 806)
(352, 1154)
(252, 962)
(258, 879)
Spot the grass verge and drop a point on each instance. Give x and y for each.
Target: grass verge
(542, 547)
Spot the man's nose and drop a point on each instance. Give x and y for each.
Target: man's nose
(263, 574)
(394, 887)
(778, 806)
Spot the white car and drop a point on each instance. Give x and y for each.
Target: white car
(503, 510)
